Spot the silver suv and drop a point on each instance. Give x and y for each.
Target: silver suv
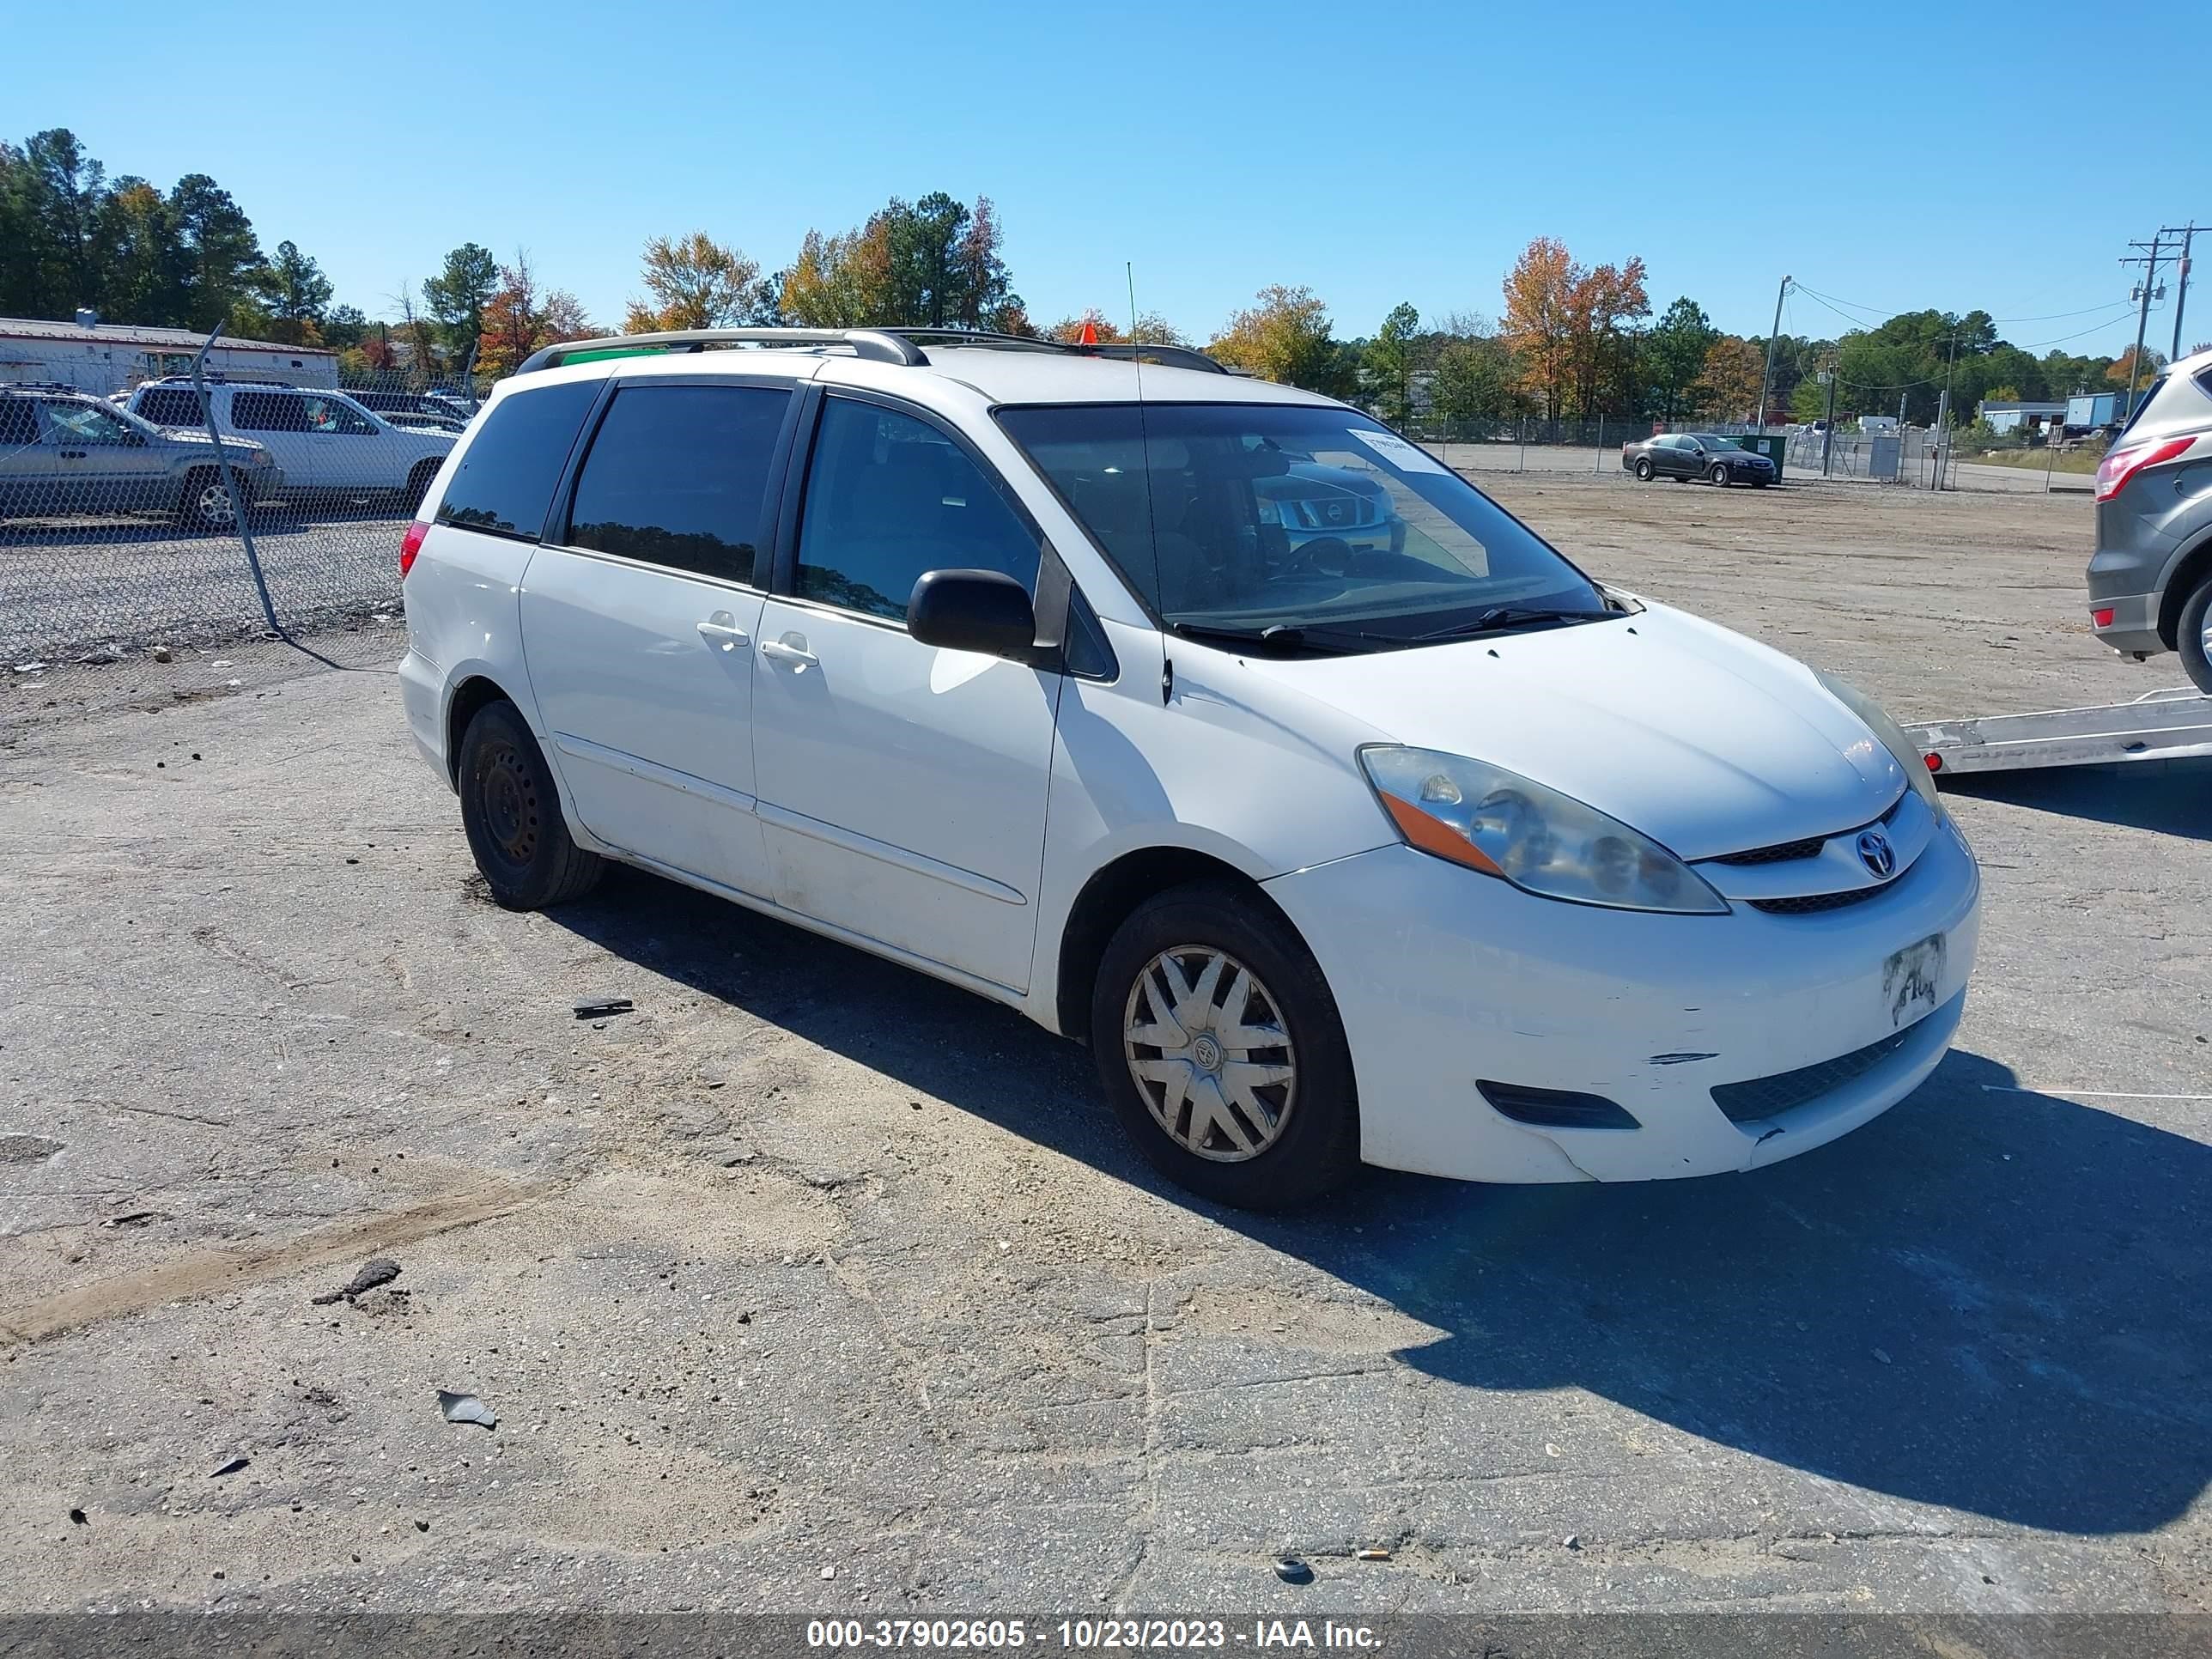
(62, 451)
(2150, 581)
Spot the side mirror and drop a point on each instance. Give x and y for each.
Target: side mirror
(980, 610)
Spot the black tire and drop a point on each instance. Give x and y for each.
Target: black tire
(1719, 474)
(204, 503)
(2189, 637)
(1317, 1147)
(418, 483)
(1643, 469)
(512, 812)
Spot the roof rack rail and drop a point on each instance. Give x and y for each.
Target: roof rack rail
(900, 345)
(45, 386)
(883, 345)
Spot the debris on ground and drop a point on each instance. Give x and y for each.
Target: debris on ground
(162, 653)
(1572, 1540)
(602, 1007)
(77, 1518)
(378, 1270)
(1292, 1570)
(27, 1149)
(231, 1467)
(1370, 1553)
(137, 1218)
(466, 1408)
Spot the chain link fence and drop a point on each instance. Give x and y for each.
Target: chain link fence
(193, 511)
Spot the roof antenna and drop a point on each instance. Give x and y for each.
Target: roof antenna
(1144, 454)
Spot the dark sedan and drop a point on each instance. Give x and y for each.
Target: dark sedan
(1680, 455)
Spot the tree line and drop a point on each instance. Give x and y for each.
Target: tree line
(1570, 340)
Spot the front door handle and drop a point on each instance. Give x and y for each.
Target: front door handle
(791, 648)
(721, 629)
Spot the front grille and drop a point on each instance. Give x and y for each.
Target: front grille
(1811, 903)
(1781, 852)
(1770, 1097)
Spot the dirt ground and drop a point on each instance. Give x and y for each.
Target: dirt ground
(812, 1284)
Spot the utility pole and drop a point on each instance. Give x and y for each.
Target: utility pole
(1766, 378)
(2188, 234)
(2149, 263)
(1828, 435)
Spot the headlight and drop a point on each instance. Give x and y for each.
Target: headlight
(1890, 735)
(1542, 841)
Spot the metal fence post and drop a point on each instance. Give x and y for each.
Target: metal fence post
(238, 506)
(1599, 464)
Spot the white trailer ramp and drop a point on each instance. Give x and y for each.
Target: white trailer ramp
(2170, 725)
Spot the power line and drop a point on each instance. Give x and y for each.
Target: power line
(1834, 302)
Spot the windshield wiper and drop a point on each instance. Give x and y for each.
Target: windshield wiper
(1499, 617)
(1281, 636)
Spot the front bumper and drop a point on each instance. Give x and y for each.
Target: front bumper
(1443, 977)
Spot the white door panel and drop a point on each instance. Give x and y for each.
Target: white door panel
(643, 680)
(902, 787)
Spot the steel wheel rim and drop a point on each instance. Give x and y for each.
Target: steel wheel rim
(510, 797)
(1208, 1050)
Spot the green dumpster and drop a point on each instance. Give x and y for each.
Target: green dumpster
(1770, 444)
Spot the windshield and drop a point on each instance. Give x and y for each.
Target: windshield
(1314, 522)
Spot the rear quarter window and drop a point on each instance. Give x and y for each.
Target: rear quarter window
(505, 480)
(170, 406)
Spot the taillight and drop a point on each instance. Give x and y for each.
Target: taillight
(2101, 618)
(2122, 464)
(410, 544)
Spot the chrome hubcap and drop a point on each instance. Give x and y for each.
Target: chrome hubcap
(1206, 1046)
(215, 504)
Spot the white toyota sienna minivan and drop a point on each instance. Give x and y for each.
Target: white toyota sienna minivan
(1202, 719)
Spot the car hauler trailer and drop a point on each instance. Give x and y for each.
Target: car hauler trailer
(2171, 725)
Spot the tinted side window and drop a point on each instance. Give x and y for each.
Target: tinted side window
(677, 475)
(18, 426)
(171, 406)
(268, 412)
(889, 497)
(505, 481)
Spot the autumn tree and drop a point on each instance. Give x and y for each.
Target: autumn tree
(1537, 322)
(693, 282)
(839, 281)
(2123, 373)
(1730, 377)
(1474, 379)
(520, 317)
(1284, 338)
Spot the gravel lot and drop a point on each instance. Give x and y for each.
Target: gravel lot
(812, 1284)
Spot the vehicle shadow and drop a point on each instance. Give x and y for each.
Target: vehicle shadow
(2169, 797)
(1989, 1299)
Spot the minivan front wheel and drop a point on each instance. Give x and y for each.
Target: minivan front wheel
(2192, 636)
(1220, 1047)
(512, 812)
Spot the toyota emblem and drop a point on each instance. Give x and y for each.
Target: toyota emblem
(1877, 854)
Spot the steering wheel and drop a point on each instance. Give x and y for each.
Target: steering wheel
(1325, 556)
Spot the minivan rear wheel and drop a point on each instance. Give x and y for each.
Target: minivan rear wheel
(512, 812)
(2192, 636)
(1221, 1050)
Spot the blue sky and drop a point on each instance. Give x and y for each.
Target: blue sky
(1953, 156)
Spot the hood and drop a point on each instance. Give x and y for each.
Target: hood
(185, 435)
(1706, 741)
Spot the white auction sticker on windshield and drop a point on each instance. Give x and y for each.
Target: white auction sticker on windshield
(1397, 450)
